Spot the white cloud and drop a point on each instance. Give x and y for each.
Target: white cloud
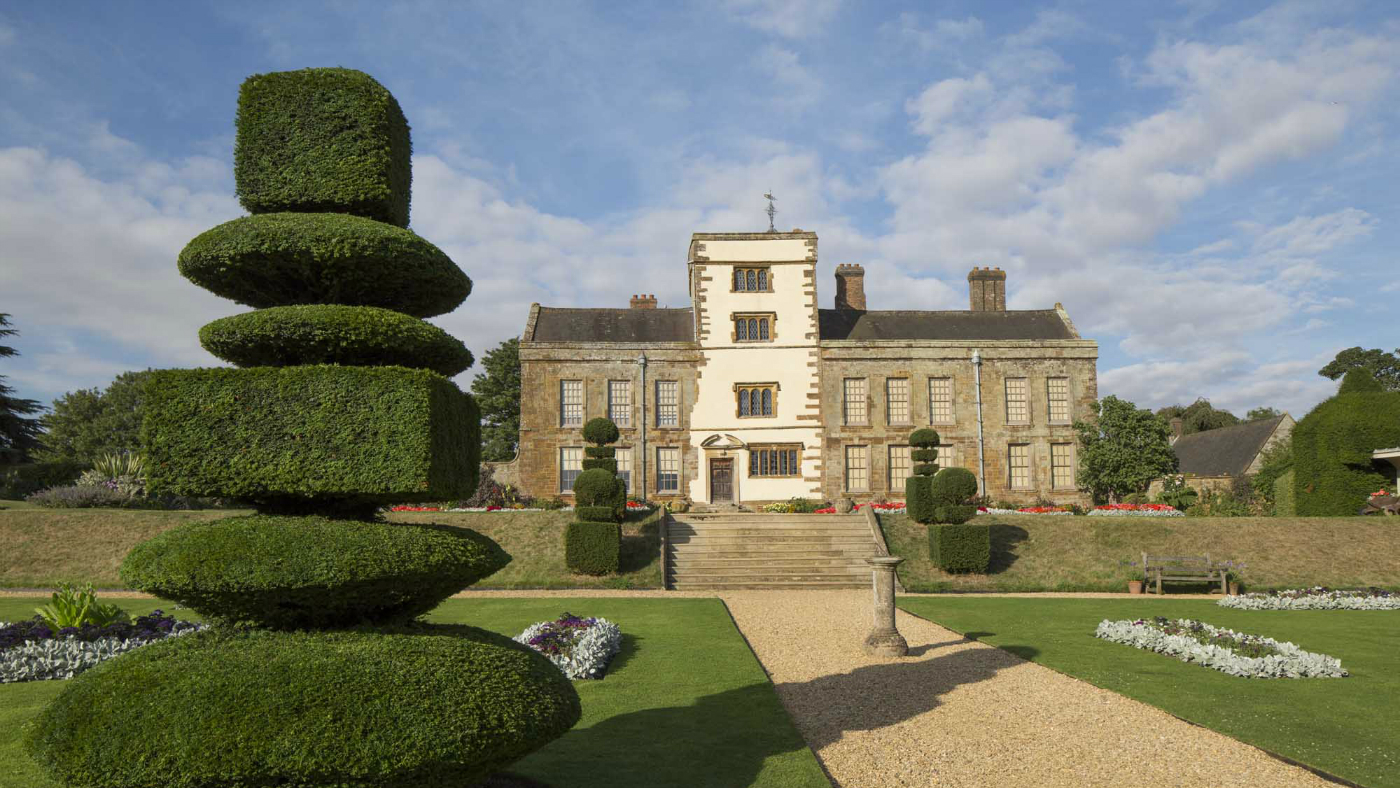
(943, 34)
(787, 18)
(1231, 380)
(796, 85)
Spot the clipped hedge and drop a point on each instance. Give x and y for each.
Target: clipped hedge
(952, 486)
(597, 514)
(290, 437)
(918, 499)
(960, 548)
(924, 438)
(1285, 504)
(362, 336)
(283, 259)
(431, 705)
(600, 431)
(929, 469)
(1333, 469)
(954, 513)
(322, 140)
(590, 463)
(592, 548)
(296, 572)
(18, 481)
(924, 455)
(599, 452)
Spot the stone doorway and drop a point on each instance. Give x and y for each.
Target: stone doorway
(722, 480)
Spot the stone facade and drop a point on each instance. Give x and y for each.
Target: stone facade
(802, 362)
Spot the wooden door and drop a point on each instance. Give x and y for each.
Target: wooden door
(721, 481)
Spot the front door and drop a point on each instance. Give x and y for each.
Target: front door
(722, 481)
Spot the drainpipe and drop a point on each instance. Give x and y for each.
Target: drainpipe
(981, 447)
(642, 362)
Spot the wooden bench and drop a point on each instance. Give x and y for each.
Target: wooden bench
(1195, 568)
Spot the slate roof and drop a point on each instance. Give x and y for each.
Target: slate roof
(1224, 451)
(614, 325)
(1020, 324)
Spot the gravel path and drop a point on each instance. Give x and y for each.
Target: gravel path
(957, 712)
(961, 713)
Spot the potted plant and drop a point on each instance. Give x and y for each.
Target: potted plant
(1234, 571)
(1134, 586)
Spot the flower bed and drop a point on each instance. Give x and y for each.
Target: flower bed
(1135, 510)
(1048, 510)
(890, 506)
(1250, 656)
(1315, 598)
(581, 647)
(31, 651)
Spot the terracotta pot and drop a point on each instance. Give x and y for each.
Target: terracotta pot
(1234, 587)
(1134, 586)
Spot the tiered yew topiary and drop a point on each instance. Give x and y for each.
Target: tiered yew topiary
(593, 544)
(918, 489)
(317, 671)
(938, 498)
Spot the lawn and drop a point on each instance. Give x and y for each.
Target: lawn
(1345, 727)
(685, 704)
(1031, 553)
(40, 548)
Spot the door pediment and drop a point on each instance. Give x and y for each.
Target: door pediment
(723, 441)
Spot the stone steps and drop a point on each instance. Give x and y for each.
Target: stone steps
(780, 551)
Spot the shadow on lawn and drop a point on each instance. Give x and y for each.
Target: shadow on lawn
(1004, 540)
(640, 550)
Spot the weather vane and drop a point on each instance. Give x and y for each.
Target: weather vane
(771, 210)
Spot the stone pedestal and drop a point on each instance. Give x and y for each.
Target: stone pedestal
(884, 640)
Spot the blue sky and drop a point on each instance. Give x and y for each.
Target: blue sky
(1210, 188)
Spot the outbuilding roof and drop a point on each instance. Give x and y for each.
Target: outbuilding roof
(1224, 451)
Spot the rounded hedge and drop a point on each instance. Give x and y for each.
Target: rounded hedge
(282, 259)
(924, 438)
(362, 336)
(427, 705)
(600, 431)
(609, 465)
(1334, 472)
(599, 452)
(955, 514)
(598, 487)
(924, 455)
(926, 469)
(294, 572)
(953, 486)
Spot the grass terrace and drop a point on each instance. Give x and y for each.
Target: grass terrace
(1342, 726)
(40, 548)
(684, 704)
(1040, 553)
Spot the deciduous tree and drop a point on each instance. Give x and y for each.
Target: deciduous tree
(1384, 366)
(1199, 416)
(88, 424)
(1122, 449)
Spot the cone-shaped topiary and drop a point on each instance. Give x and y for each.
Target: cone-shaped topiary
(403, 705)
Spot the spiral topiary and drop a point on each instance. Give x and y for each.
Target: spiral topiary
(341, 405)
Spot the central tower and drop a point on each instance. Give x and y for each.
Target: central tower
(756, 419)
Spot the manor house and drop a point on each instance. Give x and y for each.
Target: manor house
(754, 393)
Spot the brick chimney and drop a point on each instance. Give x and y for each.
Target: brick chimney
(850, 287)
(987, 289)
(644, 301)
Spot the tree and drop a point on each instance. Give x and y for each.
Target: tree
(1384, 366)
(498, 393)
(1122, 449)
(88, 424)
(1261, 413)
(18, 435)
(1199, 416)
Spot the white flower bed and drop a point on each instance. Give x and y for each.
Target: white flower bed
(1316, 598)
(1136, 513)
(582, 652)
(1291, 662)
(994, 510)
(64, 658)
